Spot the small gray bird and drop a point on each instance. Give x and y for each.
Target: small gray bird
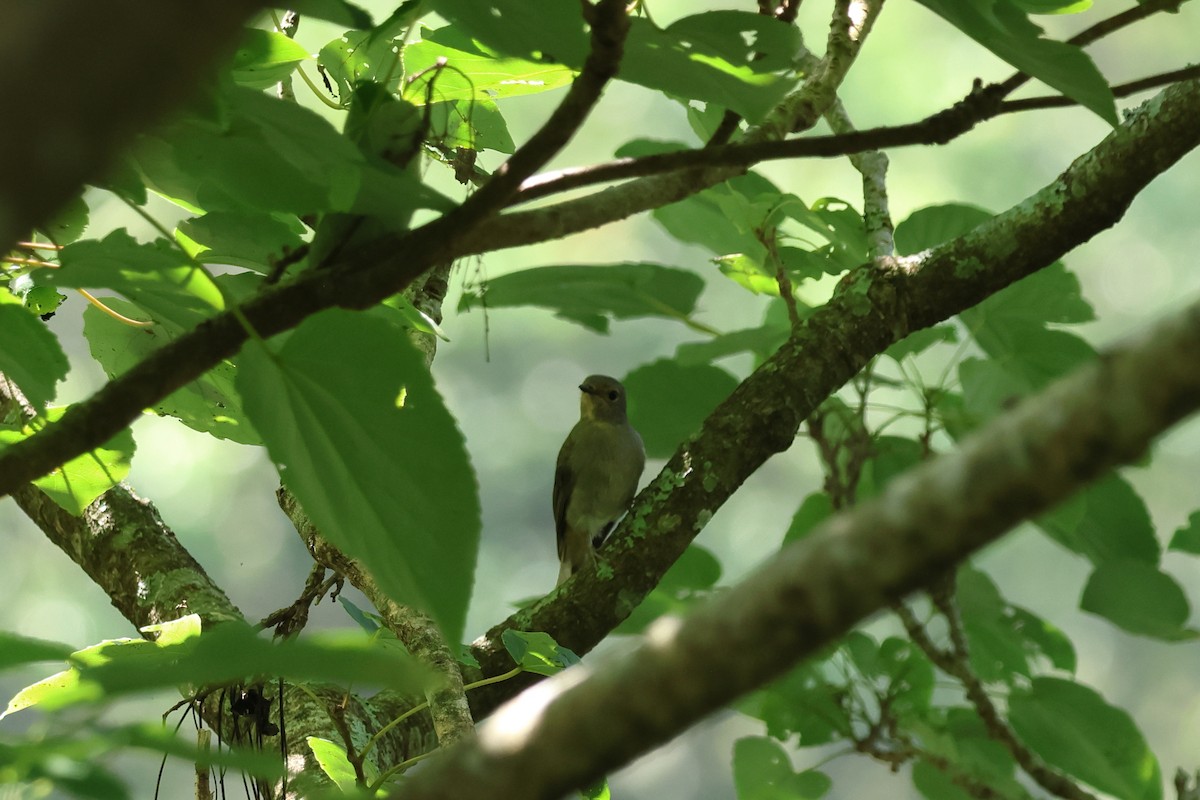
(598, 470)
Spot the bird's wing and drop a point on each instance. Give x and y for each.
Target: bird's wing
(564, 484)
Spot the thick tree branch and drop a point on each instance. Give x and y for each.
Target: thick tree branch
(873, 307)
(93, 74)
(576, 726)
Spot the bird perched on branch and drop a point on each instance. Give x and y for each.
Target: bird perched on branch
(598, 470)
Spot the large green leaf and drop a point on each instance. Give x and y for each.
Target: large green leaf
(458, 73)
(1003, 28)
(31, 357)
(209, 404)
(230, 652)
(267, 155)
(593, 294)
(668, 401)
(537, 652)
(1106, 521)
(933, 225)
(762, 770)
(1071, 727)
(351, 417)
(156, 276)
(264, 58)
(711, 57)
(1004, 639)
(253, 240)
(16, 650)
(81, 480)
(1138, 597)
(368, 55)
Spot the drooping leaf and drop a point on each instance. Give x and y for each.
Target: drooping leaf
(1138, 597)
(250, 240)
(1071, 727)
(210, 404)
(68, 224)
(1187, 538)
(761, 342)
(368, 54)
(331, 758)
(16, 650)
(919, 341)
(815, 509)
(933, 225)
(537, 652)
(668, 401)
(454, 73)
(762, 770)
(31, 357)
(156, 276)
(264, 58)
(350, 415)
(1003, 28)
(81, 480)
(1106, 521)
(688, 581)
(592, 295)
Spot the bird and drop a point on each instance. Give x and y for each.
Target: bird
(597, 473)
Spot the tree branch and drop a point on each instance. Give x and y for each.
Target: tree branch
(940, 128)
(578, 725)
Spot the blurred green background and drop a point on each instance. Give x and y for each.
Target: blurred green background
(510, 376)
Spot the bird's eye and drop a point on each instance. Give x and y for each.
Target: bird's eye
(612, 395)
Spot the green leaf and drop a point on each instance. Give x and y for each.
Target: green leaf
(350, 414)
(805, 703)
(156, 276)
(368, 56)
(815, 509)
(693, 58)
(919, 341)
(933, 225)
(596, 791)
(761, 342)
(1054, 6)
(1050, 295)
(1003, 638)
(1104, 522)
(331, 757)
(68, 224)
(266, 155)
(16, 650)
(1187, 538)
(891, 456)
(1139, 598)
(474, 75)
(1003, 28)
(595, 294)
(81, 480)
(231, 652)
(689, 581)
(668, 402)
(1071, 727)
(243, 239)
(539, 30)
(537, 652)
(209, 404)
(32, 357)
(264, 58)
(762, 770)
